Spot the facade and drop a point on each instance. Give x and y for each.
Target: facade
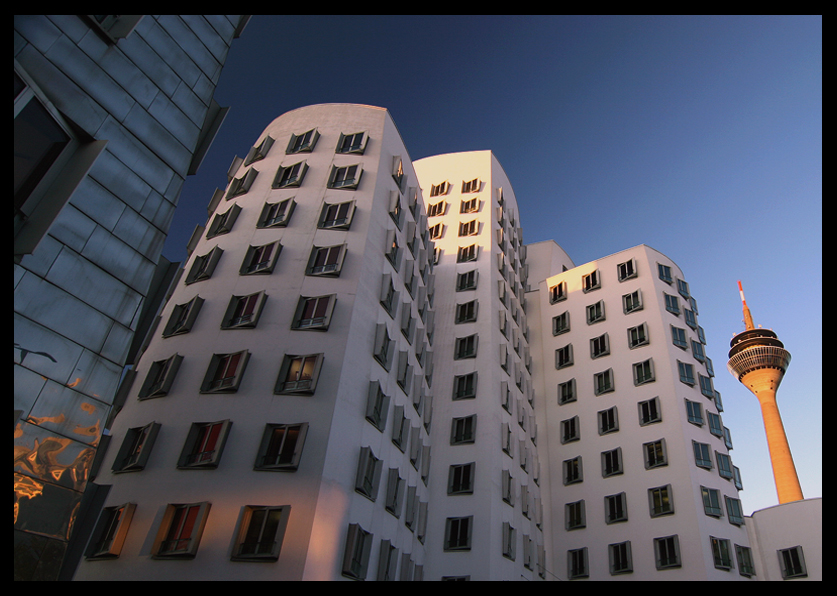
(364, 373)
(112, 112)
(787, 541)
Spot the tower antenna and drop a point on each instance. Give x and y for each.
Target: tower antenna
(748, 318)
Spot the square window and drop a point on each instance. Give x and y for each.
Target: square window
(638, 336)
(469, 228)
(626, 270)
(290, 176)
(620, 558)
(204, 445)
(225, 372)
(281, 447)
(469, 206)
(352, 143)
(467, 253)
(183, 317)
(655, 454)
(345, 177)
(243, 312)
(260, 260)
(667, 552)
(261, 532)
(465, 386)
(466, 312)
(136, 448)
(326, 260)
(461, 479)
(336, 216)
(608, 421)
(632, 302)
(180, 531)
(110, 532)
(437, 209)
(314, 312)
(616, 508)
(299, 374)
(471, 185)
(792, 562)
(660, 501)
(439, 189)
(643, 372)
(599, 346)
(466, 281)
(160, 377)
(276, 215)
(303, 143)
(222, 223)
(466, 347)
(203, 266)
(596, 312)
(649, 411)
(603, 382)
(463, 430)
(591, 281)
(259, 151)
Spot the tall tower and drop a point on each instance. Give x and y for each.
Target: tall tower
(759, 360)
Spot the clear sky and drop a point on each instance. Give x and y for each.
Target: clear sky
(698, 136)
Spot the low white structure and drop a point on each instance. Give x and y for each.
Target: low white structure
(787, 541)
(364, 373)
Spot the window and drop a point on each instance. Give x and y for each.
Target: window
(225, 372)
(616, 508)
(392, 249)
(608, 421)
(721, 553)
(746, 567)
(626, 270)
(612, 462)
(110, 532)
(183, 317)
(465, 386)
(352, 143)
(566, 392)
(632, 302)
(243, 311)
(439, 189)
(678, 337)
(259, 151)
(558, 292)
(398, 171)
(437, 209)
(660, 501)
(703, 455)
(467, 253)
(575, 516)
(276, 215)
(466, 281)
(689, 317)
(458, 533)
(649, 411)
(436, 231)
(466, 312)
(724, 465)
(603, 382)
(509, 541)
(667, 552)
(461, 479)
(204, 445)
(240, 186)
(561, 323)
(697, 351)
(136, 448)
(356, 555)
(466, 347)
(299, 374)
(706, 387)
(655, 454)
(260, 260)
(222, 223)
(463, 431)
(619, 556)
(664, 272)
(715, 426)
(683, 288)
(735, 514)
(261, 532)
(637, 336)
(345, 177)
(377, 406)
(383, 347)
(694, 412)
(281, 447)
(591, 281)
(471, 185)
(564, 356)
(577, 563)
(303, 143)
(672, 304)
(643, 372)
(570, 430)
(599, 346)
(202, 267)
(314, 312)
(326, 260)
(336, 216)
(572, 471)
(687, 372)
(596, 312)
(469, 228)
(368, 474)
(290, 176)
(792, 563)
(160, 377)
(180, 531)
(395, 492)
(469, 206)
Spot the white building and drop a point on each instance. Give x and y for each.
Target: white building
(364, 373)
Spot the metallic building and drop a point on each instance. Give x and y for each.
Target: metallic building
(112, 112)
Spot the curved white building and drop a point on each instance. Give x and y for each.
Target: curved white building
(364, 373)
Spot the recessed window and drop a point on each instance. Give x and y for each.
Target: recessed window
(461, 479)
(314, 312)
(608, 421)
(180, 531)
(437, 209)
(326, 260)
(262, 530)
(599, 346)
(303, 143)
(612, 462)
(110, 532)
(626, 270)
(466, 312)
(204, 445)
(467, 253)
(660, 501)
(466, 347)
(458, 533)
(469, 228)
(637, 336)
(276, 215)
(649, 411)
(655, 454)
(356, 555)
(203, 266)
(577, 566)
(259, 151)
(243, 311)
(620, 558)
(471, 185)
(183, 317)
(368, 474)
(345, 177)
(377, 406)
(558, 292)
(573, 471)
(160, 377)
(792, 563)
(337, 216)
(299, 373)
(240, 186)
(632, 302)
(281, 447)
(136, 448)
(222, 223)
(616, 508)
(596, 312)
(438, 190)
(467, 281)
(564, 356)
(290, 176)
(566, 392)
(667, 552)
(225, 372)
(603, 382)
(465, 386)
(643, 372)
(463, 430)
(469, 206)
(352, 143)
(591, 281)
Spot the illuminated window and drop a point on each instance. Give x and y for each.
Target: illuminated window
(299, 374)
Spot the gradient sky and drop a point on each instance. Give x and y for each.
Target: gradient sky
(698, 136)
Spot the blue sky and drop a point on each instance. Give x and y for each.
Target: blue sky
(699, 136)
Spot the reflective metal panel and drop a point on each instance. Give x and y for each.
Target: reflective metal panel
(69, 413)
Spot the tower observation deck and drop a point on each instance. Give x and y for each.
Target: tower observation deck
(759, 360)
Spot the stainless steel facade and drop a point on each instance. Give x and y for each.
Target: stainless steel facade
(139, 90)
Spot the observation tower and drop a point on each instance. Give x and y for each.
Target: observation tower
(759, 360)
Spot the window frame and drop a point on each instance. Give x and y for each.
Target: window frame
(195, 527)
(111, 529)
(332, 266)
(197, 438)
(281, 215)
(250, 308)
(136, 448)
(458, 533)
(299, 386)
(345, 177)
(314, 323)
(246, 521)
(269, 445)
(228, 384)
(160, 377)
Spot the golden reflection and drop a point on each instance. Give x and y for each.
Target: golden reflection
(26, 488)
